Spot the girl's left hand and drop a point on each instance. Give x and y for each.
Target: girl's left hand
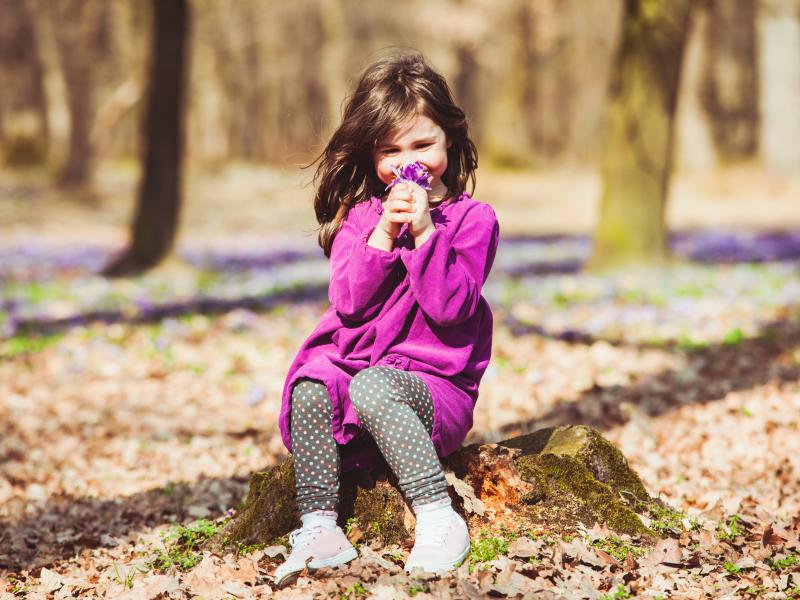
(420, 218)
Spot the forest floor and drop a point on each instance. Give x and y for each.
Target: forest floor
(132, 412)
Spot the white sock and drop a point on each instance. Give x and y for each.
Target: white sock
(433, 510)
(326, 518)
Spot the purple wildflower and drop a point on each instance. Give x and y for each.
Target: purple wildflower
(413, 172)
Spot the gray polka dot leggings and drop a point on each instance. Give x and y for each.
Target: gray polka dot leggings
(395, 407)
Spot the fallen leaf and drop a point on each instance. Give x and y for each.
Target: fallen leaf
(470, 589)
(237, 588)
(355, 534)
(273, 551)
(580, 551)
(606, 557)
(472, 504)
(524, 547)
(369, 556)
(770, 538)
(666, 551)
(715, 513)
(50, 581)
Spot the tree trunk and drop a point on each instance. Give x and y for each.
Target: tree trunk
(546, 94)
(158, 205)
(25, 128)
(82, 38)
(779, 66)
(695, 149)
(549, 481)
(730, 86)
(637, 160)
(465, 87)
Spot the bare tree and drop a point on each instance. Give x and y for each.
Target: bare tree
(729, 92)
(637, 160)
(546, 93)
(25, 132)
(82, 37)
(779, 89)
(159, 200)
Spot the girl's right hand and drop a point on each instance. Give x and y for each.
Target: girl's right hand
(397, 209)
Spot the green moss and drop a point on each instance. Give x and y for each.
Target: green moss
(379, 510)
(575, 494)
(585, 472)
(245, 549)
(269, 511)
(606, 463)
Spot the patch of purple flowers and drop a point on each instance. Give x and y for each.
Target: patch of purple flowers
(413, 172)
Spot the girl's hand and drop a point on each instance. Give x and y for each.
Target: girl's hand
(407, 203)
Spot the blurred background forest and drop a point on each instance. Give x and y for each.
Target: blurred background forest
(268, 78)
(267, 81)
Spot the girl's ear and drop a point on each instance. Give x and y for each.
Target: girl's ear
(449, 143)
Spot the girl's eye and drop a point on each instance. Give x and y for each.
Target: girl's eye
(392, 151)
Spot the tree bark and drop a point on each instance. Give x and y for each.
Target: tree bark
(160, 190)
(779, 92)
(546, 93)
(82, 38)
(637, 160)
(549, 481)
(729, 93)
(24, 127)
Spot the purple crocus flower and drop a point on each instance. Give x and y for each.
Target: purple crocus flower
(413, 172)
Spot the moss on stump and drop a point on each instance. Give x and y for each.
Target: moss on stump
(550, 480)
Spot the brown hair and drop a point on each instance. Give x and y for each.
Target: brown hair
(388, 92)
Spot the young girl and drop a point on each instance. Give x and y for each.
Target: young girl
(397, 358)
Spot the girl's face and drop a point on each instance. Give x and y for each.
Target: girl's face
(417, 139)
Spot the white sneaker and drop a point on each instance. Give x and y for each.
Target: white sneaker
(441, 540)
(320, 542)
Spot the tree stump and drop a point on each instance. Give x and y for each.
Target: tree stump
(550, 481)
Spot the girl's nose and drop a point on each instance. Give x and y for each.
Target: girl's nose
(409, 157)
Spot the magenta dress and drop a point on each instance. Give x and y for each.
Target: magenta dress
(415, 309)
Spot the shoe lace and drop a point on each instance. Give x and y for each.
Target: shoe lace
(433, 533)
(302, 535)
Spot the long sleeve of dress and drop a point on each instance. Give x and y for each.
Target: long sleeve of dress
(447, 277)
(361, 275)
